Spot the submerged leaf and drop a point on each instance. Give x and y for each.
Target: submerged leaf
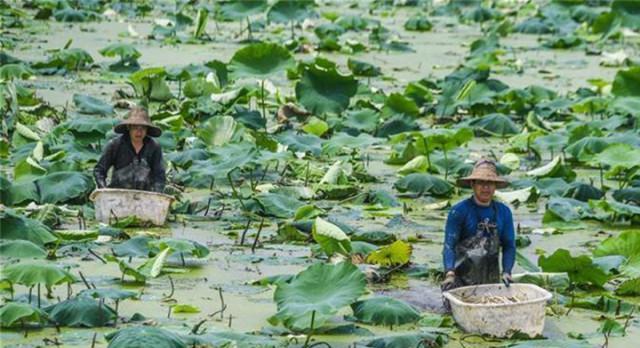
(395, 254)
(384, 311)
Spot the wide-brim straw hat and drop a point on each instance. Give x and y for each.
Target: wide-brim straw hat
(484, 170)
(138, 117)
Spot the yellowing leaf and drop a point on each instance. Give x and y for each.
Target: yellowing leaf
(397, 253)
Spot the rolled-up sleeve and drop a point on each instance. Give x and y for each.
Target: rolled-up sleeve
(451, 236)
(508, 241)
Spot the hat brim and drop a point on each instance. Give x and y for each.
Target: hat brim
(466, 181)
(152, 130)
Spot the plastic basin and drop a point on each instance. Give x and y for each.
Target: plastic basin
(147, 206)
(499, 319)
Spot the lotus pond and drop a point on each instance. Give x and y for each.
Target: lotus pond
(313, 148)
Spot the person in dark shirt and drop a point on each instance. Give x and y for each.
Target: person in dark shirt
(476, 228)
(135, 157)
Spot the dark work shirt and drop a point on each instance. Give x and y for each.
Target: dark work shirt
(120, 153)
(462, 223)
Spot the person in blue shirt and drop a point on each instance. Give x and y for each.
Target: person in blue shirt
(476, 229)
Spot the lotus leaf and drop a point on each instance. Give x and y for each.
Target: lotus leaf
(581, 269)
(331, 238)
(394, 254)
(552, 281)
(427, 339)
(495, 125)
(184, 308)
(631, 194)
(81, 311)
(190, 247)
(315, 126)
(237, 10)
(419, 164)
(384, 311)
(586, 148)
(627, 83)
(112, 294)
(64, 186)
(630, 287)
(397, 103)
(150, 84)
(135, 247)
(582, 192)
(364, 69)
(14, 312)
(220, 130)
(321, 289)
(323, 89)
(418, 23)
(285, 11)
(396, 124)
(352, 22)
(153, 267)
(345, 142)
(91, 105)
(74, 15)
(18, 71)
(627, 244)
(301, 143)
(143, 337)
(618, 157)
(33, 273)
(21, 249)
(124, 51)
(423, 183)
(19, 227)
(278, 205)
(566, 209)
(260, 60)
(374, 237)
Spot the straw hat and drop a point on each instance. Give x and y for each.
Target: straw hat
(484, 170)
(138, 117)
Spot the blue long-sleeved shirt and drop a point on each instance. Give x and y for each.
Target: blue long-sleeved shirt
(462, 223)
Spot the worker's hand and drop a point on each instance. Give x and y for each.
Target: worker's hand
(506, 279)
(449, 281)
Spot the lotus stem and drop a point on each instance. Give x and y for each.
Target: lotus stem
(255, 241)
(182, 259)
(446, 163)
(293, 34)
(39, 295)
(264, 108)
(230, 319)
(93, 340)
(30, 293)
(313, 318)
(97, 256)
(223, 306)
(249, 28)
(306, 175)
(244, 233)
(84, 280)
(233, 188)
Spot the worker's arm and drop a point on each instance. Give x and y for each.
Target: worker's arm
(104, 163)
(508, 241)
(158, 175)
(451, 235)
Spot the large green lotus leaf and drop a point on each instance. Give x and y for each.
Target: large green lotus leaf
(182, 246)
(109, 293)
(418, 164)
(278, 205)
(144, 337)
(626, 195)
(285, 11)
(384, 311)
(583, 192)
(618, 157)
(301, 143)
(233, 339)
(353, 22)
(418, 23)
(551, 281)
(627, 83)
(394, 254)
(420, 339)
(626, 244)
(152, 268)
(22, 192)
(445, 139)
(90, 129)
(630, 287)
(615, 210)
(137, 246)
(32, 273)
(237, 10)
(345, 142)
(364, 69)
(81, 311)
(330, 238)
(91, 105)
(19, 227)
(364, 120)
(628, 11)
(397, 103)
(423, 183)
(64, 186)
(15, 312)
(260, 60)
(566, 209)
(122, 50)
(581, 269)
(10, 72)
(586, 148)
(220, 130)
(321, 288)
(184, 159)
(69, 14)
(395, 125)
(495, 125)
(553, 142)
(151, 82)
(323, 89)
(625, 106)
(21, 249)
(552, 343)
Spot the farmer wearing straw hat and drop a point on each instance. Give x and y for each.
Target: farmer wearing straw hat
(476, 228)
(135, 157)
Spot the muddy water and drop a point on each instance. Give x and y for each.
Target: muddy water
(231, 267)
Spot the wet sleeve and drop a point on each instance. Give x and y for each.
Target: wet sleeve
(158, 171)
(508, 241)
(104, 163)
(451, 235)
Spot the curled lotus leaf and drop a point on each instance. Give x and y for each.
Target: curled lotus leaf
(384, 310)
(33, 273)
